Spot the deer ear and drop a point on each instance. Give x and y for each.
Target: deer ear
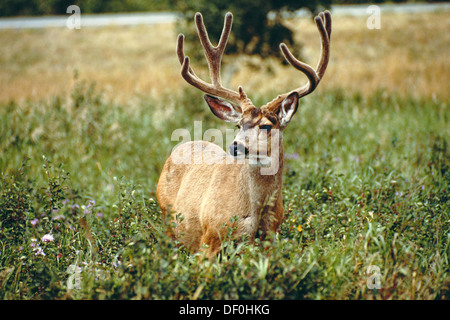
(223, 109)
(287, 109)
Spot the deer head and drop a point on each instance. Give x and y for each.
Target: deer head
(255, 124)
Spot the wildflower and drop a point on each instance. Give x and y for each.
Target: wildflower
(299, 228)
(34, 221)
(47, 238)
(33, 244)
(99, 214)
(39, 251)
(91, 203)
(291, 155)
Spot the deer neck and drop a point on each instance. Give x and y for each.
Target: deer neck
(264, 182)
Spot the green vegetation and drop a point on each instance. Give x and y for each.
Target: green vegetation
(366, 173)
(366, 184)
(254, 30)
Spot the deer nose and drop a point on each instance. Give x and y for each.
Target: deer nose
(238, 149)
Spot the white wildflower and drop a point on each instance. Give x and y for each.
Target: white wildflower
(47, 238)
(39, 251)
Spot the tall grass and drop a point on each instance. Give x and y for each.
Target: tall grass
(365, 184)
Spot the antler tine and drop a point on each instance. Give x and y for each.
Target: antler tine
(301, 66)
(213, 56)
(180, 52)
(326, 17)
(323, 22)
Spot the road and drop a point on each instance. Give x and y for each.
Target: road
(90, 20)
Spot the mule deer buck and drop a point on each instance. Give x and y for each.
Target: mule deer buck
(211, 192)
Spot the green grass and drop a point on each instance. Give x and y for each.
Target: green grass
(365, 184)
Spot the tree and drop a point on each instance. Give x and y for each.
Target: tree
(257, 25)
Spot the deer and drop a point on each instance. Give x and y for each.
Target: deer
(198, 198)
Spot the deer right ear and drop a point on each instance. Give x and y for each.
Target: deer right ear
(288, 108)
(223, 109)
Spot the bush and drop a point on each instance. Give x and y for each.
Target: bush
(257, 25)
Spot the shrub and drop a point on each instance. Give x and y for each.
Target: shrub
(257, 25)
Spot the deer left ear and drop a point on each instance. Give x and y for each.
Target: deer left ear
(223, 109)
(287, 109)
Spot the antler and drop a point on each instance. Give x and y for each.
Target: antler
(323, 22)
(214, 58)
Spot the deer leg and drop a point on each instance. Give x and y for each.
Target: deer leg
(211, 239)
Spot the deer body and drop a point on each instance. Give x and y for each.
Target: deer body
(210, 203)
(212, 189)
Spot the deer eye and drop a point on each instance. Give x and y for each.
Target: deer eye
(266, 127)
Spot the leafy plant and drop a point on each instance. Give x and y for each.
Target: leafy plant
(257, 26)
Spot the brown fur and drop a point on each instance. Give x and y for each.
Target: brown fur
(208, 196)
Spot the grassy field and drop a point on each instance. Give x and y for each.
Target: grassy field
(86, 119)
(406, 56)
